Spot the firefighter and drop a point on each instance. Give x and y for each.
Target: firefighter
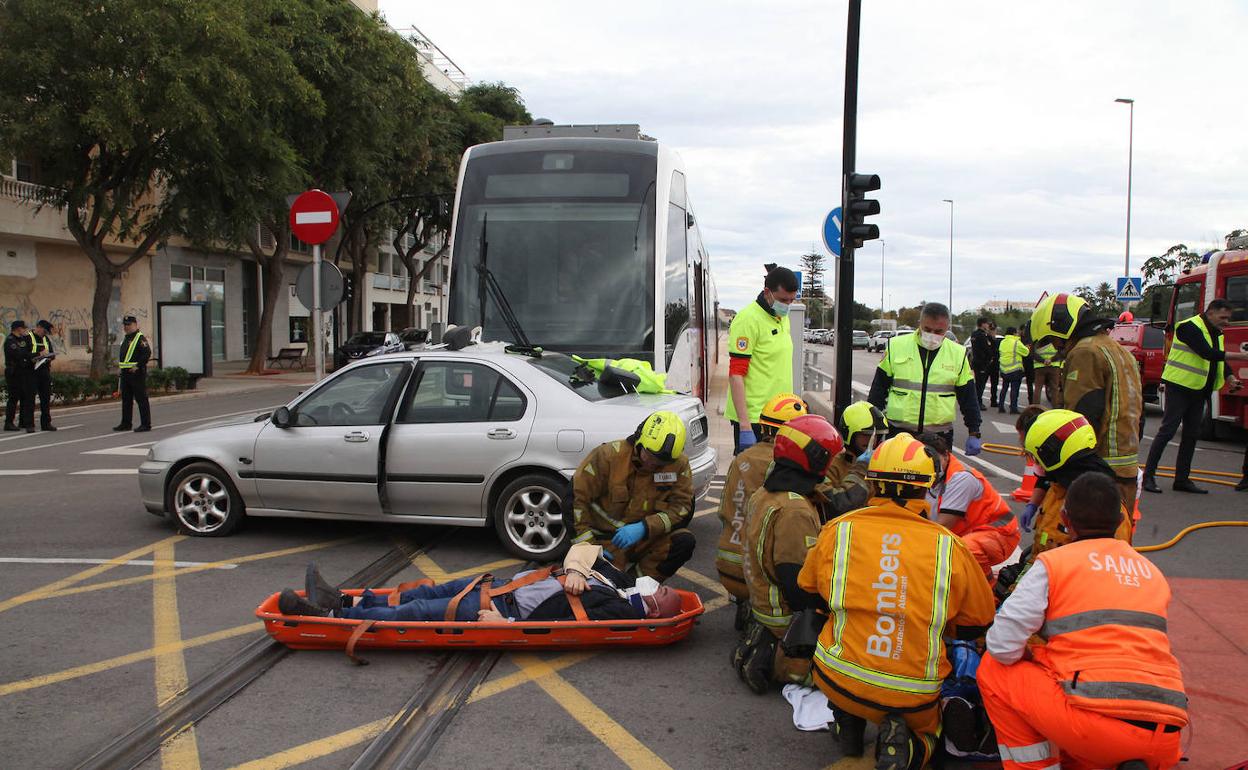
(745, 475)
(1102, 382)
(1104, 689)
(634, 497)
(846, 488)
(895, 585)
(781, 525)
(966, 502)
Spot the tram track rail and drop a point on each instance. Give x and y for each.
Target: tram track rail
(234, 674)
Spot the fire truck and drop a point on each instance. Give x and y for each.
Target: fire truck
(1223, 274)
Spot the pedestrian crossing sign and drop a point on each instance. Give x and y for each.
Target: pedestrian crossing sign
(1129, 289)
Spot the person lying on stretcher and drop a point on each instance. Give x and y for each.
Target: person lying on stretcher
(603, 591)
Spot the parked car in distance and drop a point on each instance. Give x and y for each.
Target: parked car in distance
(879, 340)
(412, 338)
(365, 345)
(1148, 345)
(860, 339)
(473, 437)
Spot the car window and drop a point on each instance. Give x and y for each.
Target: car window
(563, 370)
(1237, 295)
(454, 391)
(1187, 300)
(1154, 338)
(355, 397)
(367, 338)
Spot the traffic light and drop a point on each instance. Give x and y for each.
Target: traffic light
(858, 208)
(348, 288)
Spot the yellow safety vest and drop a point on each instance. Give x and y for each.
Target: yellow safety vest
(1185, 367)
(918, 400)
(1011, 356)
(128, 361)
(1045, 356)
(34, 343)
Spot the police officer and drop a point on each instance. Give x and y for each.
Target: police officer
(19, 378)
(135, 353)
(41, 346)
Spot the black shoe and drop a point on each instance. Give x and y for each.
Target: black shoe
(48, 427)
(959, 725)
(1015, 410)
(851, 733)
(321, 593)
(1001, 409)
(10, 426)
(121, 427)
(1150, 485)
(1189, 487)
(1133, 764)
(757, 667)
(291, 603)
(29, 429)
(1242, 486)
(894, 744)
(143, 429)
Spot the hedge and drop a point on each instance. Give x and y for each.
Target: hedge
(73, 388)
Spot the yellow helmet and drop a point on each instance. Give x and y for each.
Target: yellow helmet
(903, 460)
(1057, 435)
(862, 416)
(780, 409)
(1056, 316)
(663, 434)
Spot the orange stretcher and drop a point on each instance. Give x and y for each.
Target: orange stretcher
(304, 632)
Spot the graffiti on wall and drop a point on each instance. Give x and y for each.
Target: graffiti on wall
(64, 318)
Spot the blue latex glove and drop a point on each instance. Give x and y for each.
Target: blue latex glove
(865, 457)
(629, 535)
(1028, 517)
(747, 439)
(973, 446)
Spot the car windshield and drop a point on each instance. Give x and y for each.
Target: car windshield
(858, 333)
(563, 369)
(367, 338)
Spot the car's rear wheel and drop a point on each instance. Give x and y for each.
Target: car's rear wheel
(204, 502)
(533, 516)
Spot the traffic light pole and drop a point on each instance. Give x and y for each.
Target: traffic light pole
(845, 265)
(318, 328)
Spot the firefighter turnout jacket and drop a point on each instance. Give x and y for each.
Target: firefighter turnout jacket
(894, 584)
(1103, 384)
(745, 475)
(845, 487)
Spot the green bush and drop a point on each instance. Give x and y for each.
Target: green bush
(158, 380)
(179, 378)
(66, 388)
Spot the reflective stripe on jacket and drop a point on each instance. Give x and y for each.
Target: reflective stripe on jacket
(1105, 632)
(745, 475)
(1012, 352)
(1189, 369)
(127, 360)
(609, 491)
(780, 528)
(923, 400)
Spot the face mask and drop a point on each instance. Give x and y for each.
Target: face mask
(781, 309)
(931, 341)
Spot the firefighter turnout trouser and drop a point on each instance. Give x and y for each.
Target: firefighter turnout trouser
(1037, 728)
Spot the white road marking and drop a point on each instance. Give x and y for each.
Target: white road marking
(257, 410)
(25, 472)
(132, 563)
(29, 435)
(107, 472)
(1004, 427)
(135, 450)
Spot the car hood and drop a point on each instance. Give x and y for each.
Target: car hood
(243, 428)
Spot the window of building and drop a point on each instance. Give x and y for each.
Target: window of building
(298, 245)
(299, 328)
(189, 283)
(79, 338)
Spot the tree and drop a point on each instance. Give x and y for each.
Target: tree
(123, 104)
(1102, 301)
(812, 275)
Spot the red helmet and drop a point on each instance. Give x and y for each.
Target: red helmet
(810, 442)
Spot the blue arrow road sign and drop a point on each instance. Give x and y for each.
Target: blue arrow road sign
(1129, 289)
(832, 231)
(798, 273)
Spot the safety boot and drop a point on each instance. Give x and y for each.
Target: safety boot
(742, 618)
(756, 670)
(291, 603)
(8, 426)
(894, 746)
(959, 724)
(321, 593)
(745, 643)
(851, 733)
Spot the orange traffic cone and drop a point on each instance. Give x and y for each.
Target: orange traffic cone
(1023, 493)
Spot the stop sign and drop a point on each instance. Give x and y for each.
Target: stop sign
(314, 217)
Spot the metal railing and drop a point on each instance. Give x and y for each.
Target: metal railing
(813, 377)
(426, 48)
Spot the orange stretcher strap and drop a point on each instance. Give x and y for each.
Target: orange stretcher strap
(359, 631)
(578, 608)
(454, 605)
(396, 596)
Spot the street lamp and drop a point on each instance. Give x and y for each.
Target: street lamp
(881, 285)
(946, 200)
(1126, 268)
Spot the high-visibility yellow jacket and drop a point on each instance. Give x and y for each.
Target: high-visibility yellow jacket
(1012, 352)
(894, 582)
(1187, 368)
(923, 399)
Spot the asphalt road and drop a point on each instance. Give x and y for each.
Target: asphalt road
(91, 648)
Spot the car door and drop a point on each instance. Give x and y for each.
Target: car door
(459, 423)
(326, 461)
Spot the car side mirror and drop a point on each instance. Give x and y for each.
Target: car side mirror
(281, 417)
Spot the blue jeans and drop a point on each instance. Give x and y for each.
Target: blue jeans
(422, 603)
(1010, 383)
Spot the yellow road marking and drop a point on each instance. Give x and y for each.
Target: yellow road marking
(621, 742)
(366, 732)
(697, 577)
(430, 569)
(852, 763)
(207, 566)
(180, 751)
(77, 672)
(44, 591)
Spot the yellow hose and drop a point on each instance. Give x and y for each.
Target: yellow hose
(1184, 532)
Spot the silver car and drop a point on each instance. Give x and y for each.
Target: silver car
(475, 437)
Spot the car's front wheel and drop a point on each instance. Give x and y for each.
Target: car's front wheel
(533, 516)
(204, 501)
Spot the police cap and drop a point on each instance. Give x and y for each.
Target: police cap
(17, 325)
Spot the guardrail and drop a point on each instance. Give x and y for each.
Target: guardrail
(26, 192)
(814, 378)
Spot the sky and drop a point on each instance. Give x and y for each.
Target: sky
(1006, 108)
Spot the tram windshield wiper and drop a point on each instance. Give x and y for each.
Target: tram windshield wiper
(488, 284)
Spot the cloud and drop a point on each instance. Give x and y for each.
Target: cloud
(1006, 108)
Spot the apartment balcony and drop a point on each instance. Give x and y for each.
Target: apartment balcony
(386, 282)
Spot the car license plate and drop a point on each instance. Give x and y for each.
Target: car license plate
(696, 431)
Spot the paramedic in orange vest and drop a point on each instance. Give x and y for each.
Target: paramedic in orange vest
(894, 584)
(965, 502)
(1103, 690)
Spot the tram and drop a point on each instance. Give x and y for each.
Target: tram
(590, 236)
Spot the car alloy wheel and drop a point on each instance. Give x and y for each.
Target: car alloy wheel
(530, 519)
(204, 502)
